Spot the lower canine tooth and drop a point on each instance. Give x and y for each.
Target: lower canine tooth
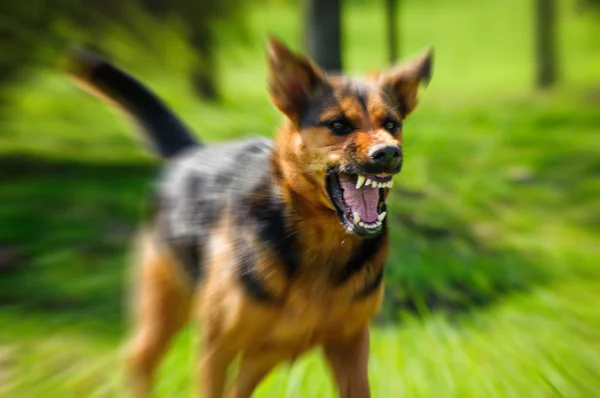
(356, 217)
(381, 216)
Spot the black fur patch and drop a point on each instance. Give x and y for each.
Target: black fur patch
(365, 253)
(268, 215)
(371, 286)
(189, 256)
(361, 92)
(310, 115)
(248, 275)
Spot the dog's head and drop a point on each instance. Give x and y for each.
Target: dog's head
(346, 134)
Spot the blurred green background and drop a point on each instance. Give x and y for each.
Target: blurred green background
(494, 274)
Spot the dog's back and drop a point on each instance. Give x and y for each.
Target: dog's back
(201, 183)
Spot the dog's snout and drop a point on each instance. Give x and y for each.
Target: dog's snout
(385, 155)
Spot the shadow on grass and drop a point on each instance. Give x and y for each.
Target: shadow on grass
(446, 264)
(67, 231)
(449, 269)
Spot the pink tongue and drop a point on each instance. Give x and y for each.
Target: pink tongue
(362, 201)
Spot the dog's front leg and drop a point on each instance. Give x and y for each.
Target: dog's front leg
(348, 361)
(215, 359)
(255, 365)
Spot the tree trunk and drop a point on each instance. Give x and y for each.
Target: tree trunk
(204, 73)
(545, 43)
(322, 33)
(391, 9)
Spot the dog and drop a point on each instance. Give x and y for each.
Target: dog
(275, 247)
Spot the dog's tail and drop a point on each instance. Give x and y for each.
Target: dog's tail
(165, 132)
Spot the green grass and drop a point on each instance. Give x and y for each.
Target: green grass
(495, 218)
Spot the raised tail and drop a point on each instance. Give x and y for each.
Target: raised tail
(165, 132)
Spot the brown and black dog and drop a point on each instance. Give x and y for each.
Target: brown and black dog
(275, 248)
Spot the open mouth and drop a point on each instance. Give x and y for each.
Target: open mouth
(360, 201)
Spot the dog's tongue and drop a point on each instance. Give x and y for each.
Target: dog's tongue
(362, 201)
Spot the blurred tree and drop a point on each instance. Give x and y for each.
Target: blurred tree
(322, 33)
(199, 19)
(22, 35)
(391, 11)
(545, 51)
(30, 31)
(587, 5)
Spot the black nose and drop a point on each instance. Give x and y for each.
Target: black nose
(385, 155)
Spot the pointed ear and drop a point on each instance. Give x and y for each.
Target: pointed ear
(402, 82)
(292, 78)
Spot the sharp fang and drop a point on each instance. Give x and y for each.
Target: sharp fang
(356, 217)
(360, 181)
(369, 182)
(381, 216)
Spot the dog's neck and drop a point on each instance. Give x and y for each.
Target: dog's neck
(323, 240)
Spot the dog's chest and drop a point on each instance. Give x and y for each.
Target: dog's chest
(312, 316)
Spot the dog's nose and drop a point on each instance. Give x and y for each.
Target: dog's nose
(385, 155)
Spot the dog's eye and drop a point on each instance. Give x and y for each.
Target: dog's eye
(340, 127)
(391, 125)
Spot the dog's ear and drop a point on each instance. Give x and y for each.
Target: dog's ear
(292, 79)
(402, 82)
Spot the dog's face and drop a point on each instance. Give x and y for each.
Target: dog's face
(347, 133)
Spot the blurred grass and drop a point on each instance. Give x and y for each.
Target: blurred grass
(494, 261)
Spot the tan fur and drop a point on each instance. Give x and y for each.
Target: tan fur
(308, 313)
(161, 304)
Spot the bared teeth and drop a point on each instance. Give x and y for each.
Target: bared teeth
(388, 184)
(363, 181)
(360, 181)
(356, 217)
(373, 225)
(381, 216)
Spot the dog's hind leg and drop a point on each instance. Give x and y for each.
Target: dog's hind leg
(162, 299)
